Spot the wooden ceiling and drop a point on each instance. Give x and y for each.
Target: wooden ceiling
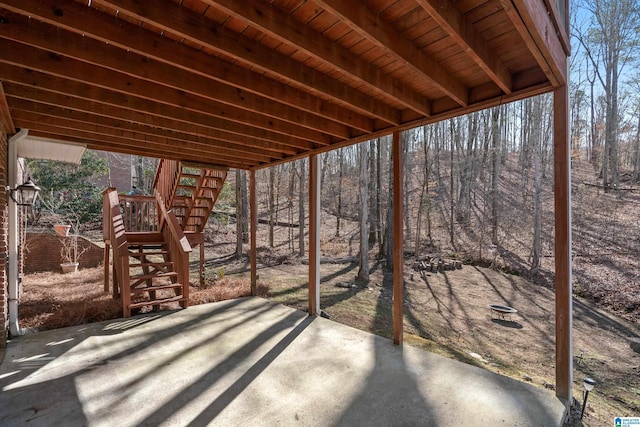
(247, 84)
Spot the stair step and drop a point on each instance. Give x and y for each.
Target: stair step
(153, 276)
(150, 264)
(138, 245)
(156, 302)
(156, 288)
(144, 236)
(137, 254)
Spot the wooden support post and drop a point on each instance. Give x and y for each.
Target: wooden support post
(398, 240)
(562, 199)
(314, 236)
(107, 250)
(253, 206)
(201, 271)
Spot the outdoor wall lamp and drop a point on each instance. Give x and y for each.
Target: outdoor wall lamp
(588, 384)
(24, 194)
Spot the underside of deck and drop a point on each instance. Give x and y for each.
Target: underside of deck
(250, 362)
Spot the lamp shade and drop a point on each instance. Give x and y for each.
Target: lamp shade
(589, 384)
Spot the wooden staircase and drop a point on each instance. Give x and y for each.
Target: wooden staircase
(190, 190)
(151, 237)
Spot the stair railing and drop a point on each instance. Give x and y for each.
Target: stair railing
(166, 180)
(114, 221)
(140, 213)
(178, 246)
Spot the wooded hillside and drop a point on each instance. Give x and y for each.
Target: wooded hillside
(477, 188)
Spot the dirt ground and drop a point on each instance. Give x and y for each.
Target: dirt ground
(447, 313)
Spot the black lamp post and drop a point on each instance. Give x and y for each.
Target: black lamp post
(24, 194)
(588, 384)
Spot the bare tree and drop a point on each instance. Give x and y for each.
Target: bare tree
(339, 206)
(495, 173)
(609, 44)
(301, 210)
(373, 194)
(239, 238)
(272, 207)
(363, 271)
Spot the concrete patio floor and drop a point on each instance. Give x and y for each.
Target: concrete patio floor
(250, 362)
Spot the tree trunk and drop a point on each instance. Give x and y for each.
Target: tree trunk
(452, 237)
(388, 231)
(301, 212)
(495, 176)
(407, 178)
(378, 198)
(245, 207)
(373, 212)
(636, 163)
(537, 219)
(272, 207)
(339, 206)
(238, 213)
(363, 271)
(292, 186)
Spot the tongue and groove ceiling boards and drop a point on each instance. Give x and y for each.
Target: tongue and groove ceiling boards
(246, 84)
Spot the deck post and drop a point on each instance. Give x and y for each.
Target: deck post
(314, 236)
(253, 224)
(562, 200)
(398, 240)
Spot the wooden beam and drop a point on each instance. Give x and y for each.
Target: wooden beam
(444, 12)
(5, 114)
(560, 21)
(361, 19)
(149, 142)
(128, 64)
(66, 67)
(281, 26)
(253, 209)
(314, 235)
(52, 115)
(89, 22)
(482, 101)
(562, 211)
(126, 146)
(398, 240)
(532, 22)
(57, 91)
(199, 30)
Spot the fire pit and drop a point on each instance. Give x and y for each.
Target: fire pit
(502, 311)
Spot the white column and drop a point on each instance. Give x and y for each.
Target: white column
(12, 255)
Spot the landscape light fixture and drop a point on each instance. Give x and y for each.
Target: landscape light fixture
(24, 194)
(588, 384)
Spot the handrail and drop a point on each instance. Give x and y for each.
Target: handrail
(178, 245)
(114, 227)
(106, 215)
(165, 181)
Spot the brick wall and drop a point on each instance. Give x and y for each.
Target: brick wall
(42, 253)
(3, 235)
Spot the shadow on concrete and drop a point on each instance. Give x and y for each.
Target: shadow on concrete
(210, 364)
